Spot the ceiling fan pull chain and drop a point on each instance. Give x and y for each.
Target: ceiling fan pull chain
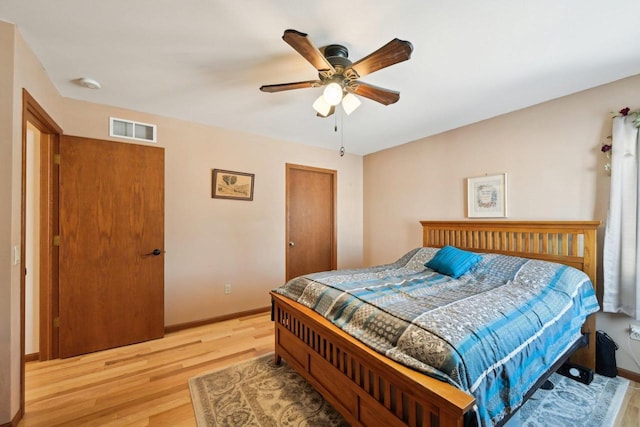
(341, 132)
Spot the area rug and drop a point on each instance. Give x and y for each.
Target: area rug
(259, 393)
(572, 403)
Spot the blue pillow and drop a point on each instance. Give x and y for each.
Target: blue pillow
(452, 261)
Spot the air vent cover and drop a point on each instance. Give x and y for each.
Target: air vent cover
(129, 129)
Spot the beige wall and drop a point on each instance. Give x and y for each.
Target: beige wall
(6, 289)
(210, 242)
(550, 152)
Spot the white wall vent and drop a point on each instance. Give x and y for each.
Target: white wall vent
(129, 129)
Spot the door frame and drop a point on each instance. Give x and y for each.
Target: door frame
(33, 113)
(334, 215)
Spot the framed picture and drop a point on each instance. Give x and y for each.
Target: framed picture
(487, 196)
(232, 185)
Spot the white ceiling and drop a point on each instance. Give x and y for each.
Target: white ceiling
(204, 60)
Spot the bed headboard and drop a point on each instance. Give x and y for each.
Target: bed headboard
(568, 242)
(573, 243)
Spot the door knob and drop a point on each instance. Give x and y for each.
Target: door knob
(291, 244)
(155, 252)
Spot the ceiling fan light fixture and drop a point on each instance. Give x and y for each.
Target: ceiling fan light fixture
(321, 106)
(350, 102)
(333, 93)
(340, 76)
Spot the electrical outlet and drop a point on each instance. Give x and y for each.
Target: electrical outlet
(227, 290)
(634, 332)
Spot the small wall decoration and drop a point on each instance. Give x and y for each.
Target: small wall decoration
(487, 196)
(232, 185)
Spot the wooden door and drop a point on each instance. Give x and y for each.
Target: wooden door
(111, 223)
(311, 212)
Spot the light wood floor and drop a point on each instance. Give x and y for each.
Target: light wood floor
(143, 384)
(146, 384)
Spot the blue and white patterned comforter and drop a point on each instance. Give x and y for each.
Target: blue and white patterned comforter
(493, 332)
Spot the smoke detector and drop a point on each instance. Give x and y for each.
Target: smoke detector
(89, 83)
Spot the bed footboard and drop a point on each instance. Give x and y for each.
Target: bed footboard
(366, 388)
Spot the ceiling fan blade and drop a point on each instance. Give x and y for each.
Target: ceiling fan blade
(303, 45)
(378, 94)
(288, 86)
(393, 52)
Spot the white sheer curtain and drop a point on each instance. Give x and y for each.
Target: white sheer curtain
(622, 240)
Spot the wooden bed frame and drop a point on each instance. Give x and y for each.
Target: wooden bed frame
(371, 390)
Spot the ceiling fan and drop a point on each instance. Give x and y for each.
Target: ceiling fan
(340, 76)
